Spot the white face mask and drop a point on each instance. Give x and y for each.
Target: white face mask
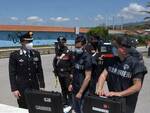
(29, 46)
(79, 50)
(115, 51)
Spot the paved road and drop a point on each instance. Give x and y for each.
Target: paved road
(6, 97)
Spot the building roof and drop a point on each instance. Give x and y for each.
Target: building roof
(40, 28)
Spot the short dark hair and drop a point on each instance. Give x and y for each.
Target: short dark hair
(123, 41)
(80, 38)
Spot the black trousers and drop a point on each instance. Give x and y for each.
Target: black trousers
(64, 80)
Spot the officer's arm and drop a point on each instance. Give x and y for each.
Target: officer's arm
(86, 81)
(12, 72)
(101, 81)
(40, 73)
(88, 71)
(136, 87)
(62, 55)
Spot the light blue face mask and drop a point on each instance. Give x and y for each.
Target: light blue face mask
(114, 51)
(79, 50)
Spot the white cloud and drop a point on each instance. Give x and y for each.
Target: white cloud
(76, 18)
(34, 19)
(59, 19)
(132, 11)
(99, 17)
(126, 16)
(14, 18)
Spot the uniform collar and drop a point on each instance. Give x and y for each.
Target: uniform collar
(24, 51)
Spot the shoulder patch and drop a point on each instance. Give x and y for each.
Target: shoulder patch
(126, 66)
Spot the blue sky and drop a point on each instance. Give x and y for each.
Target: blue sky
(82, 13)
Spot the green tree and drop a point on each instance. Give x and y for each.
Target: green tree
(98, 31)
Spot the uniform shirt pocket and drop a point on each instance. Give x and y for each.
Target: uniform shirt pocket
(21, 62)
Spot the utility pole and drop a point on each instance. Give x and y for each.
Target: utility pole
(122, 19)
(113, 19)
(106, 22)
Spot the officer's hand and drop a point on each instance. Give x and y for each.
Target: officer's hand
(16, 94)
(112, 94)
(78, 95)
(101, 92)
(70, 88)
(101, 57)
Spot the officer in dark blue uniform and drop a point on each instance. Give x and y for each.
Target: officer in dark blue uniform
(93, 47)
(62, 64)
(81, 73)
(124, 77)
(25, 69)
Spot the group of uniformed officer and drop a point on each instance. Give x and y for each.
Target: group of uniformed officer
(81, 72)
(124, 72)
